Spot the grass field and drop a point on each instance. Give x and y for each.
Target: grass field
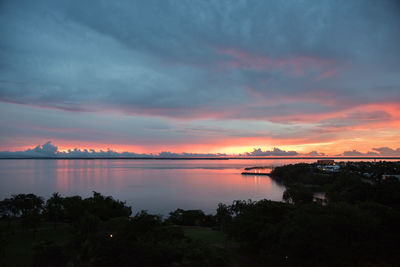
(206, 234)
(216, 238)
(17, 249)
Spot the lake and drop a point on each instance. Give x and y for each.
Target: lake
(159, 186)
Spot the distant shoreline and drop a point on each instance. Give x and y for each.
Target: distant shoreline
(194, 158)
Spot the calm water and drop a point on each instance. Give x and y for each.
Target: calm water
(159, 186)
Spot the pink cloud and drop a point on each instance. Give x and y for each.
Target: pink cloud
(326, 75)
(296, 66)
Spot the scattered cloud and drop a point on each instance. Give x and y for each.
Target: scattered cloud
(315, 154)
(381, 151)
(387, 151)
(354, 153)
(275, 152)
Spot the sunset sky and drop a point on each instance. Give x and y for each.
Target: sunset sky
(201, 76)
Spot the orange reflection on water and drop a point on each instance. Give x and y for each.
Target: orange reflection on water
(75, 175)
(158, 186)
(164, 186)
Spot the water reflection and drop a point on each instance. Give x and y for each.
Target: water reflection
(158, 186)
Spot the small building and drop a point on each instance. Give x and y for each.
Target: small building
(327, 165)
(326, 162)
(330, 168)
(386, 176)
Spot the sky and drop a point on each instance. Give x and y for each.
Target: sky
(201, 77)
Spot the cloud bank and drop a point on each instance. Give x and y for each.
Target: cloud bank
(48, 150)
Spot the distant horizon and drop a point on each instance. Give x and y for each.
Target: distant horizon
(197, 158)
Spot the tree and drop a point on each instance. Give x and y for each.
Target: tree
(224, 216)
(29, 208)
(187, 217)
(54, 208)
(6, 210)
(106, 207)
(298, 194)
(26, 203)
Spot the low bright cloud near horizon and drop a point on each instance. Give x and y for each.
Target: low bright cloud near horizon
(50, 150)
(201, 77)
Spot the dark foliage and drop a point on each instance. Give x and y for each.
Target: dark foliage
(315, 235)
(191, 218)
(298, 194)
(104, 234)
(301, 173)
(357, 226)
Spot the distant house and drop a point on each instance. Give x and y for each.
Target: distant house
(386, 176)
(327, 165)
(326, 162)
(330, 168)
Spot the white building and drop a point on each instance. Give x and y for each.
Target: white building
(330, 168)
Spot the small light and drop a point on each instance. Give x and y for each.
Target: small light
(111, 235)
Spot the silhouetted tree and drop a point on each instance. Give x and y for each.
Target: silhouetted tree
(224, 216)
(187, 217)
(74, 208)
(106, 207)
(54, 208)
(298, 194)
(27, 203)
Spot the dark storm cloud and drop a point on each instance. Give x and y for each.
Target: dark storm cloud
(200, 58)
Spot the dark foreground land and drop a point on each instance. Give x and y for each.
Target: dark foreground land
(355, 224)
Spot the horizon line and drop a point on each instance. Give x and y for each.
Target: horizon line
(205, 158)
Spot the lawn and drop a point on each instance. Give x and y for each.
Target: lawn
(17, 249)
(218, 239)
(205, 234)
